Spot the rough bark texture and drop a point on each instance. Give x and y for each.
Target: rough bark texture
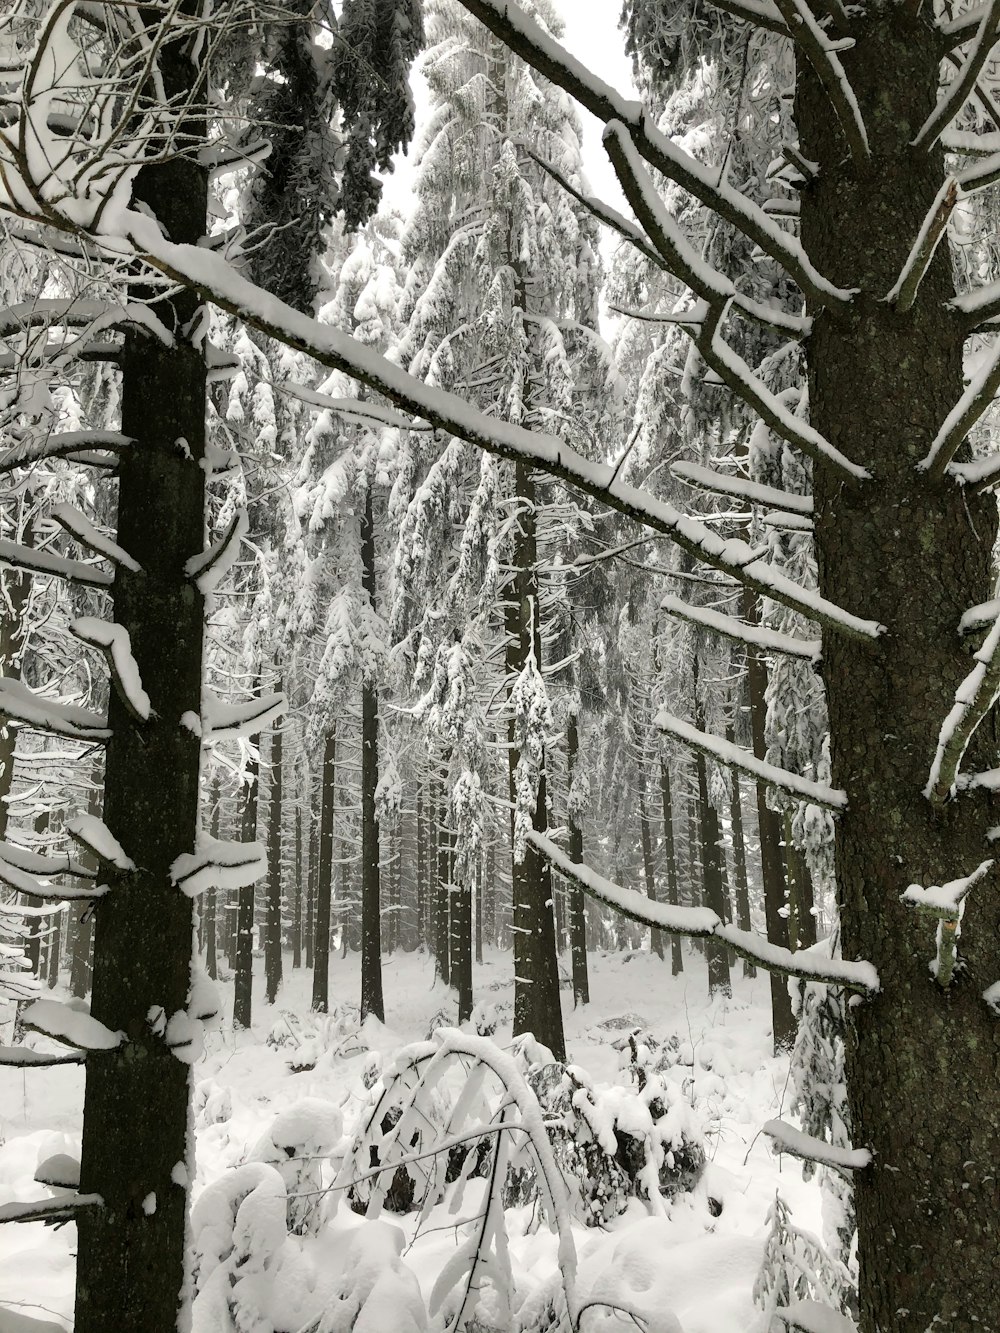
(324, 880)
(371, 903)
(130, 1263)
(577, 908)
(913, 554)
(272, 925)
(299, 875)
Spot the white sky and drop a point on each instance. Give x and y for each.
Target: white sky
(592, 36)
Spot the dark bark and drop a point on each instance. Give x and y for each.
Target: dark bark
(461, 940)
(648, 869)
(441, 888)
(371, 902)
(246, 897)
(312, 891)
(670, 850)
(423, 934)
(911, 553)
(577, 908)
(741, 883)
(537, 1007)
(53, 944)
(130, 1263)
(801, 921)
(324, 879)
(275, 876)
(297, 904)
(712, 882)
(783, 1026)
(212, 895)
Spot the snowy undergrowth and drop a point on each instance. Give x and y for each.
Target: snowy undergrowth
(276, 1119)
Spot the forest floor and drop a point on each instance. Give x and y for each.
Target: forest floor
(699, 1265)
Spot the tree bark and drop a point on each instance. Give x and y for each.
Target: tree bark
(742, 886)
(713, 889)
(298, 878)
(247, 897)
(211, 909)
(131, 1261)
(275, 877)
(577, 907)
(648, 870)
(324, 879)
(673, 895)
(441, 888)
(371, 904)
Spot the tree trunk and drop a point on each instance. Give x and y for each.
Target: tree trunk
(371, 904)
(713, 889)
(649, 873)
(15, 588)
(673, 896)
(275, 877)
(246, 897)
(441, 901)
(801, 921)
(783, 1026)
(312, 887)
(537, 1007)
(212, 895)
(742, 886)
(297, 909)
(461, 940)
(911, 553)
(577, 908)
(136, 1139)
(324, 879)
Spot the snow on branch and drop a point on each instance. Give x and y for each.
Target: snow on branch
(363, 411)
(70, 444)
(95, 837)
(979, 475)
(116, 645)
(25, 1058)
(767, 640)
(70, 1026)
(734, 756)
(812, 1317)
(979, 617)
(63, 1209)
(37, 864)
(208, 569)
(42, 889)
(904, 291)
(702, 922)
(954, 97)
(945, 903)
(225, 721)
(38, 561)
(707, 479)
(959, 29)
(970, 407)
(785, 1139)
(717, 293)
(81, 528)
(22, 705)
(527, 39)
(759, 13)
(973, 700)
(821, 53)
(220, 283)
(215, 864)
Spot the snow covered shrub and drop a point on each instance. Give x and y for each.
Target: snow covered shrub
(376, 1293)
(212, 1103)
(615, 1143)
(298, 1142)
(795, 1267)
(238, 1233)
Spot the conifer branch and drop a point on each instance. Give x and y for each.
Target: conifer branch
(82, 530)
(904, 291)
(821, 53)
(75, 445)
(974, 699)
(768, 641)
(38, 561)
(960, 420)
(758, 13)
(719, 483)
(962, 86)
(49, 1211)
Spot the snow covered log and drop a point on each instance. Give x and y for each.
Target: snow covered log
(702, 921)
(786, 1139)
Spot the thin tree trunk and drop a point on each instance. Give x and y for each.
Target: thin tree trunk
(15, 588)
(136, 1134)
(649, 873)
(441, 902)
(371, 904)
(711, 862)
(676, 956)
(783, 1025)
(324, 879)
(297, 909)
(801, 921)
(275, 877)
(739, 854)
(577, 907)
(312, 887)
(246, 897)
(211, 909)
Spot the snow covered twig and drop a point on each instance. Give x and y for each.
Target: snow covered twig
(767, 640)
(958, 92)
(786, 1139)
(81, 528)
(973, 700)
(37, 561)
(977, 397)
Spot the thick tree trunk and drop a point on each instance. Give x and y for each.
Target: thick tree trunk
(246, 899)
(577, 907)
(911, 553)
(741, 882)
(371, 903)
(324, 879)
(673, 896)
(783, 1026)
(537, 1007)
(648, 870)
(136, 1143)
(275, 877)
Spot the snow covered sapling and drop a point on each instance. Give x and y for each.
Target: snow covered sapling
(795, 1267)
(297, 1143)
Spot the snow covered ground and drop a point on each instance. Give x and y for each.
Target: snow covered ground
(698, 1265)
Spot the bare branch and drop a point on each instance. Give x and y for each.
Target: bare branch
(768, 641)
(973, 700)
(962, 86)
(970, 407)
(822, 55)
(904, 292)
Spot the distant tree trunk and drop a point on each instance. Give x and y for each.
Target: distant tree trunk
(371, 905)
(801, 920)
(742, 886)
(648, 870)
(441, 900)
(537, 1007)
(52, 954)
(422, 931)
(676, 956)
(577, 909)
(312, 886)
(38, 925)
(130, 1272)
(246, 897)
(211, 962)
(324, 878)
(15, 588)
(297, 909)
(783, 1025)
(711, 861)
(480, 905)
(461, 940)
(275, 877)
